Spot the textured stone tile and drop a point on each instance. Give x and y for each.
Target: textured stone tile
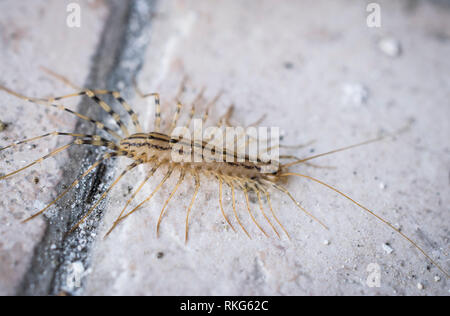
(318, 71)
(34, 34)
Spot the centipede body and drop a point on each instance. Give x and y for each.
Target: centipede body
(154, 150)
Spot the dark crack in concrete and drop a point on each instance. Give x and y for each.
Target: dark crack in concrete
(61, 261)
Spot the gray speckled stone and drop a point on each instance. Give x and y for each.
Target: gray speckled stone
(318, 71)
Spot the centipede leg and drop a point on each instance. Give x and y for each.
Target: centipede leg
(89, 170)
(180, 180)
(233, 201)
(221, 204)
(167, 176)
(197, 187)
(102, 197)
(151, 173)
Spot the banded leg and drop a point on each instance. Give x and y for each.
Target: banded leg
(197, 187)
(151, 173)
(97, 138)
(180, 180)
(53, 153)
(60, 107)
(102, 197)
(157, 104)
(89, 170)
(115, 94)
(100, 102)
(176, 116)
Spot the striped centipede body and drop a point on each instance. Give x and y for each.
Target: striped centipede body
(238, 172)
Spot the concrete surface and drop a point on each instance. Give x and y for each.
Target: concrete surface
(320, 74)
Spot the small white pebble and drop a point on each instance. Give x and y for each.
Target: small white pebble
(326, 242)
(420, 286)
(354, 93)
(390, 46)
(437, 278)
(387, 248)
(382, 186)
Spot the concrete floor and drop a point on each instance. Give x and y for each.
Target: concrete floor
(320, 74)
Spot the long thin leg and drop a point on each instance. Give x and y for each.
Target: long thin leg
(274, 215)
(92, 167)
(55, 152)
(100, 102)
(208, 107)
(224, 120)
(264, 213)
(180, 180)
(168, 174)
(220, 203)
(182, 88)
(233, 200)
(197, 187)
(284, 190)
(250, 212)
(176, 116)
(127, 169)
(157, 104)
(370, 212)
(193, 104)
(151, 173)
(115, 94)
(60, 107)
(97, 138)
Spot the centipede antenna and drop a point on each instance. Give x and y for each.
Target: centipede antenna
(332, 152)
(370, 212)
